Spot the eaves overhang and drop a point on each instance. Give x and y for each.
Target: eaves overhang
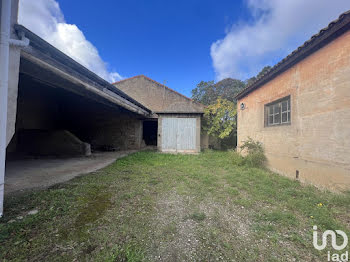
(317, 41)
(41, 52)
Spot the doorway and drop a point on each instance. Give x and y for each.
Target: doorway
(179, 134)
(150, 130)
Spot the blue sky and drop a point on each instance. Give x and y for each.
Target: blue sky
(180, 42)
(165, 40)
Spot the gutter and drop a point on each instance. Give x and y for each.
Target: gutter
(89, 86)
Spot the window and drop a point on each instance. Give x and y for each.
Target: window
(278, 112)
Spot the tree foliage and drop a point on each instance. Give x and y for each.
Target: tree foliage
(220, 115)
(204, 92)
(261, 73)
(207, 93)
(220, 118)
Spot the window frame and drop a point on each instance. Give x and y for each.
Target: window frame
(271, 113)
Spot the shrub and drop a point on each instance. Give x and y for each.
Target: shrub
(237, 158)
(256, 159)
(252, 146)
(255, 153)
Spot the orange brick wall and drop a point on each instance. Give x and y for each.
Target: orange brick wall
(317, 143)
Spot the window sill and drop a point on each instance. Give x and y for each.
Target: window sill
(285, 124)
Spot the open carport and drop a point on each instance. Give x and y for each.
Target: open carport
(64, 113)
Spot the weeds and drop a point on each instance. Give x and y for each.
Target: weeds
(254, 155)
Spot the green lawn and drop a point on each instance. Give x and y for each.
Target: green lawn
(159, 207)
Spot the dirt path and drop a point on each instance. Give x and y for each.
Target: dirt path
(185, 229)
(176, 234)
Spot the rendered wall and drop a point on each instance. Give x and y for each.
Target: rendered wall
(157, 97)
(204, 140)
(14, 59)
(317, 143)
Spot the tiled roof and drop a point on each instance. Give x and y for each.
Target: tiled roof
(324, 36)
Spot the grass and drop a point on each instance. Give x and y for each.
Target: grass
(197, 216)
(159, 207)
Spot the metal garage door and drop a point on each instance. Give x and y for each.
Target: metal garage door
(178, 134)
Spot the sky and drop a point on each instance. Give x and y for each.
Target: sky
(179, 43)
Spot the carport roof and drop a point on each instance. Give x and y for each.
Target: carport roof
(44, 51)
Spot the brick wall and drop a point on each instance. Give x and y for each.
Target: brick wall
(317, 143)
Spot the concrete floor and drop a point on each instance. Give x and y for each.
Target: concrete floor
(41, 173)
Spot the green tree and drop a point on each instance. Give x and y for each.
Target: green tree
(220, 118)
(261, 73)
(250, 81)
(204, 92)
(228, 88)
(207, 93)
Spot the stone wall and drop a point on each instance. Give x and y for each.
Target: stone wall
(317, 143)
(111, 132)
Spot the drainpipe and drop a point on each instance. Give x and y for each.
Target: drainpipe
(5, 42)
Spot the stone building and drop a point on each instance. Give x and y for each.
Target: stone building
(175, 125)
(300, 110)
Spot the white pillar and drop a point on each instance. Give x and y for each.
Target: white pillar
(4, 68)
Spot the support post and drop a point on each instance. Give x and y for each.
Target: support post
(4, 68)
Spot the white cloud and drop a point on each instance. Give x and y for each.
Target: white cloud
(45, 18)
(278, 27)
